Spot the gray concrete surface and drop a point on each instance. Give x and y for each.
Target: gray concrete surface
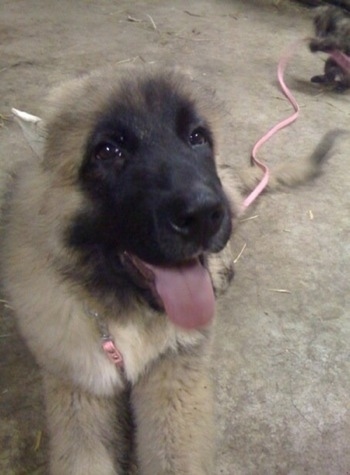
(282, 359)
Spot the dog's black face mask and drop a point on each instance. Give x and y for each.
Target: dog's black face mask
(158, 206)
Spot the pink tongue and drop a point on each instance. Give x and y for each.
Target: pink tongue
(187, 294)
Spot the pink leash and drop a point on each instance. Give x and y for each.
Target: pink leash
(264, 181)
(341, 59)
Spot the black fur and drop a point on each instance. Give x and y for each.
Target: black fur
(150, 174)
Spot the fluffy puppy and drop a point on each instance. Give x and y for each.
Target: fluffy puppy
(107, 237)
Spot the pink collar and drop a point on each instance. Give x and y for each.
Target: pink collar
(112, 352)
(109, 347)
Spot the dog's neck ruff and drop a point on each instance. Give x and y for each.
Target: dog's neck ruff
(107, 342)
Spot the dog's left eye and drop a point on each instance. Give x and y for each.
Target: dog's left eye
(108, 151)
(198, 137)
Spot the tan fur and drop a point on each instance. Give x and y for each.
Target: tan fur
(86, 395)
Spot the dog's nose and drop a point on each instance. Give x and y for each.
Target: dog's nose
(199, 217)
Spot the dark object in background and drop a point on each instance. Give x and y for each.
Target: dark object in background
(345, 4)
(332, 33)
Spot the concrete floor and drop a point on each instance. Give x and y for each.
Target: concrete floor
(282, 359)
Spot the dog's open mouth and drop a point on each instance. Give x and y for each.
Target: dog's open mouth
(184, 291)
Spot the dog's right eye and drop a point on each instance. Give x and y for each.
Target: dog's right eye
(198, 137)
(108, 151)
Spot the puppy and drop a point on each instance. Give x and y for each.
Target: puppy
(332, 29)
(106, 244)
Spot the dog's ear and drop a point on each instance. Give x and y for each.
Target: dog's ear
(33, 129)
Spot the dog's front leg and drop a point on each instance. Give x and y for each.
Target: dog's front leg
(89, 434)
(173, 408)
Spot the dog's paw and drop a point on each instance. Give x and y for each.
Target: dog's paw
(320, 79)
(221, 270)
